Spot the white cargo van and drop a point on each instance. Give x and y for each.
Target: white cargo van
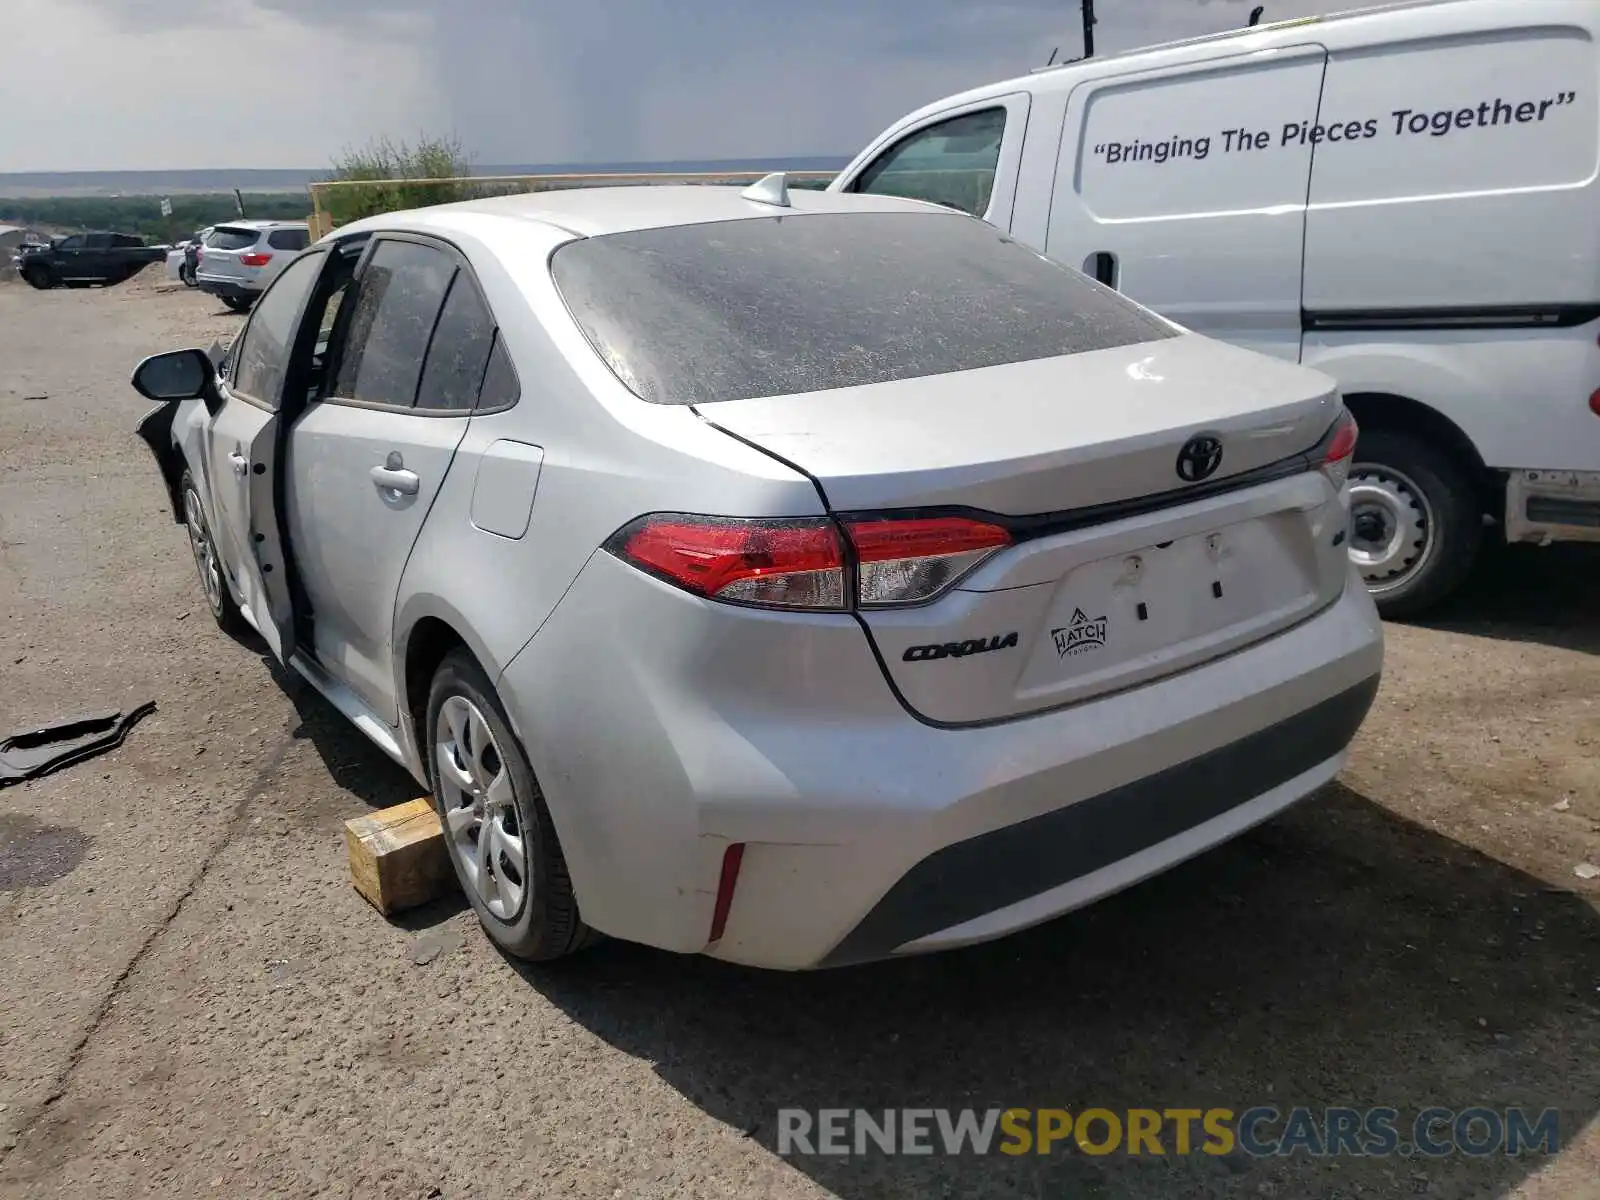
(1403, 197)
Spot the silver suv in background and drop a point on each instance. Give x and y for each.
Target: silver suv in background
(239, 259)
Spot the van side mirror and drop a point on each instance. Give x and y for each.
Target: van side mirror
(176, 375)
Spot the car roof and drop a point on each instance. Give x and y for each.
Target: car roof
(254, 225)
(595, 211)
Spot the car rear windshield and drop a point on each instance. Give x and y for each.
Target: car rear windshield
(695, 314)
(232, 239)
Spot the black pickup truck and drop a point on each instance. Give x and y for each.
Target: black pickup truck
(80, 259)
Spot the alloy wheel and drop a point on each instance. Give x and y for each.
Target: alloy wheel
(205, 551)
(480, 812)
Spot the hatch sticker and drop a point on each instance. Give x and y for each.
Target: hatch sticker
(1081, 634)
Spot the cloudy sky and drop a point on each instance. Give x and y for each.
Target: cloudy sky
(162, 84)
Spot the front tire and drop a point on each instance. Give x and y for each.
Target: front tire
(497, 828)
(40, 276)
(213, 584)
(1415, 524)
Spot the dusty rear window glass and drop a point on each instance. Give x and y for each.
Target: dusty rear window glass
(232, 239)
(695, 314)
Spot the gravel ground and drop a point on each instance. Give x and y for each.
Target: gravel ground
(193, 1001)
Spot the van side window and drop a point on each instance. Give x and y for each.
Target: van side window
(952, 163)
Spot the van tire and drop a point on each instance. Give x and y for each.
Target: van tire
(1399, 482)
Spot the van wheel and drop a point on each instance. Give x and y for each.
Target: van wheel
(1415, 527)
(497, 829)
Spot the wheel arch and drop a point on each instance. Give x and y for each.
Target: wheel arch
(1401, 414)
(157, 432)
(432, 631)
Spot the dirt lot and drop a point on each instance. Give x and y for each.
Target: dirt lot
(194, 1002)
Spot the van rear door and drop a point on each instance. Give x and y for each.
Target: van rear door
(1185, 188)
(1473, 183)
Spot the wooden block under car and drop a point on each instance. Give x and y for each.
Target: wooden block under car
(397, 856)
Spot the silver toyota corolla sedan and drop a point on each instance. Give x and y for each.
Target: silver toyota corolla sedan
(798, 579)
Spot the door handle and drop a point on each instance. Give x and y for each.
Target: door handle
(396, 479)
(241, 464)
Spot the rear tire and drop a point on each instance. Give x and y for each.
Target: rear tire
(40, 276)
(239, 304)
(207, 561)
(483, 788)
(1416, 526)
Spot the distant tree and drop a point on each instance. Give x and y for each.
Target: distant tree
(434, 158)
(142, 214)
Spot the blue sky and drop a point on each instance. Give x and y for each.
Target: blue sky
(130, 84)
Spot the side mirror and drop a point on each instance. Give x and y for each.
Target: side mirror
(176, 375)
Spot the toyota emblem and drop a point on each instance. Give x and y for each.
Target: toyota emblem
(1199, 458)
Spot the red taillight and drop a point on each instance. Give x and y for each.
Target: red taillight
(784, 564)
(912, 560)
(1340, 449)
(1594, 403)
(801, 563)
(732, 860)
(255, 259)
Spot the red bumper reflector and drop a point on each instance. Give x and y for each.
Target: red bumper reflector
(732, 858)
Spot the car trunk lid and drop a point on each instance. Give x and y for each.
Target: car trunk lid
(1122, 569)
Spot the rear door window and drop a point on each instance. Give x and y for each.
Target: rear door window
(398, 299)
(501, 388)
(952, 163)
(459, 351)
(701, 313)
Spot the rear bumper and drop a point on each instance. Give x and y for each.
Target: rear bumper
(1553, 506)
(664, 729)
(1014, 876)
(227, 289)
